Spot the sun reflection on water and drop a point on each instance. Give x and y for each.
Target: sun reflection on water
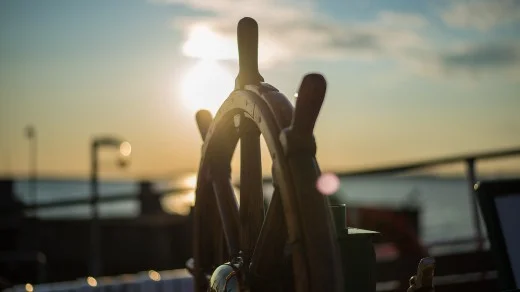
(181, 203)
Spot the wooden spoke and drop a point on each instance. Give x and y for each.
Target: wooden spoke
(204, 119)
(293, 247)
(251, 189)
(310, 99)
(228, 209)
(268, 256)
(207, 229)
(318, 233)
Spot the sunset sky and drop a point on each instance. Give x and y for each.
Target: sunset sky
(407, 80)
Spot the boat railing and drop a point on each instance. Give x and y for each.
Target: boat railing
(478, 262)
(471, 176)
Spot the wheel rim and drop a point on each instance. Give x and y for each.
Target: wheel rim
(297, 215)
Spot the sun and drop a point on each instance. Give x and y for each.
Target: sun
(206, 85)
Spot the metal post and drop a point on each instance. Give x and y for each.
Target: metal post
(472, 180)
(33, 154)
(95, 257)
(96, 264)
(34, 171)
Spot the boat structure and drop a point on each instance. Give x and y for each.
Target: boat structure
(306, 235)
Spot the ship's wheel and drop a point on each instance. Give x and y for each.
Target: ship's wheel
(237, 245)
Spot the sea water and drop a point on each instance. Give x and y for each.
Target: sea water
(446, 208)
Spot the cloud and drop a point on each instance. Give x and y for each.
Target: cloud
(403, 20)
(482, 15)
(488, 58)
(471, 60)
(292, 32)
(484, 56)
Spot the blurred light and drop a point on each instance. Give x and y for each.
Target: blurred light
(125, 148)
(154, 275)
(328, 184)
(179, 203)
(91, 281)
(29, 287)
(190, 181)
(296, 94)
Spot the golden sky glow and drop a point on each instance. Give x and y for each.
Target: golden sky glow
(206, 85)
(406, 80)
